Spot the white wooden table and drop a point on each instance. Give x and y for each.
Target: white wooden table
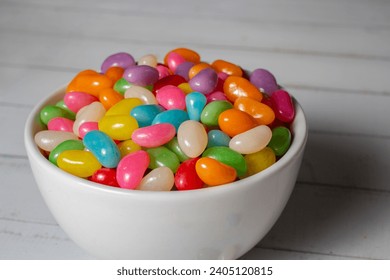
(333, 56)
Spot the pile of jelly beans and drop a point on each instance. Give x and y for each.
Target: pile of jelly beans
(178, 125)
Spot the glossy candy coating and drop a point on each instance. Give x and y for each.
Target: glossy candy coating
(149, 59)
(187, 54)
(264, 80)
(171, 97)
(233, 122)
(124, 107)
(131, 169)
(229, 157)
(86, 127)
(115, 73)
(194, 70)
(163, 71)
(127, 147)
(173, 80)
(251, 141)
(62, 105)
(91, 83)
(226, 67)
(118, 127)
(153, 135)
(174, 146)
(185, 87)
(162, 156)
(186, 177)
(214, 173)
(217, 137)
(159, 179)
(121, 86)
(103, 148)
(65, 146)
(173, 60)
(192, 138)
(109, 97)
(105, 176)
(195, 103)
(47, 140)
(145, 95)
(120, 59)
(50, 111)
(79, 163)
(174, 117)
(183, 69)
(280, 141)
(211, 112)
(259, 161)
(215, 96)
(262, 113)
(235, 87)
(90, 113)
(205, 81)
(76, 100)
(141, 75)
(145, 114)
(283, 105)
(60, 124)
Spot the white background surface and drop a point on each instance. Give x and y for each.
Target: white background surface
(333, 56)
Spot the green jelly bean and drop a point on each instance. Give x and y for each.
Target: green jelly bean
(162, 156)
(62, 105)
(229, 157)
(121, 86)
(212, 111)
(173, 145)
(65, 146)
(50, 111)
(280, 141)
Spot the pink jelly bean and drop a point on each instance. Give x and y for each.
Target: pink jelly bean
(76, 100)
(154, 135)
(163, 71)
(86, 127)
(131, 169)
(222, 75)
(283, 106)
(218, 95)
(171, 97)
(60, 124)
(174, 60)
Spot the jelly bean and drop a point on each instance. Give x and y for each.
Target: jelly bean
(105, 176)
(259, 161)
(192, 138)
(174, 117)
(50, 111)
(214, 173)
(211, 112)
(86, 127)
(62, 105)
(251, 141)
(229, 157)
(223, 76)
(102, 147)
(195, 103)
(60, 124)
(79, 163)
(65, 146)
(217, 138)
(109, 97)
(205, 81)
(121, 86)
(47, 140)
(194, 70)
(150, 60)
(174, 60)
(131, 169)
(226, 67)
(163, 71)
(185, 87)
(184, 69)
(162, 156)
(145, 95)
(118, 127)
(262, 113)
(233, 122)
(154, 135)
(121, 59)
(235, 87)
(217, 95)
(141, 75)
(115, 73)
(174, 146)
(187, 54)
(186, 177)
(280, 141)
(264, 80)
(90, 113)
(145, 114)
(159, 179)
(284, 107)
(173, 80)
(76, 100)
(127, 147)
(124, 107)
(90, 83)
(171, 97)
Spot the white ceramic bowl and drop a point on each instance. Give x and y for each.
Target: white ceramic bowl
(215, 223)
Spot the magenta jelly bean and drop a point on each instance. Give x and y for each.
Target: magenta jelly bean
(120, 59)
(154, 135)
(141, 75)
(217, 95)
(174, 60)
(60, 124)
(171, 97)
(283, 105)
(76, 100)
(205, 81)
(163, 71)
(131, 169)
(86, 127)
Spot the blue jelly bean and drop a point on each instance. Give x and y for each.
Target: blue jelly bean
(145, 114)
(195, 102)
(217, 138)
(103, 148)
(174, 117)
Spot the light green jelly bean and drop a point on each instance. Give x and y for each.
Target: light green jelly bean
(162, 156)
(280, 141)
(173, 145)
(229, 157)
(211, 112)
(121, 86)
(62, 105)
(65, 146)
(50, 111)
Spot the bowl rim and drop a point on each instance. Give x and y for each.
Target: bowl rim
(299, 135)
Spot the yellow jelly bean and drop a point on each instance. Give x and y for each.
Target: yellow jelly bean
(127, 147)
(118, 127)
(79, 163)
(185, 87)
(124, 107)
(259, 161)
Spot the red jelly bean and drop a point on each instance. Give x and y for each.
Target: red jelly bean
(283, 105)
(105, 176)
(186, 177)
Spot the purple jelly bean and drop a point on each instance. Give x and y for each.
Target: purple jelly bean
(183, 69)
(120, 59)
(283, 106)
(141, 75)
(264, 80)
(205, 81)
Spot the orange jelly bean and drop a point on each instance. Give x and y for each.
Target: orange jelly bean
(214, 173)
(233, 122)
(114, 73)
(109, 97)
(89, 82)
(194, 70)
(226, 67)
(235, 87)
(262, 113)
(187, 54)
